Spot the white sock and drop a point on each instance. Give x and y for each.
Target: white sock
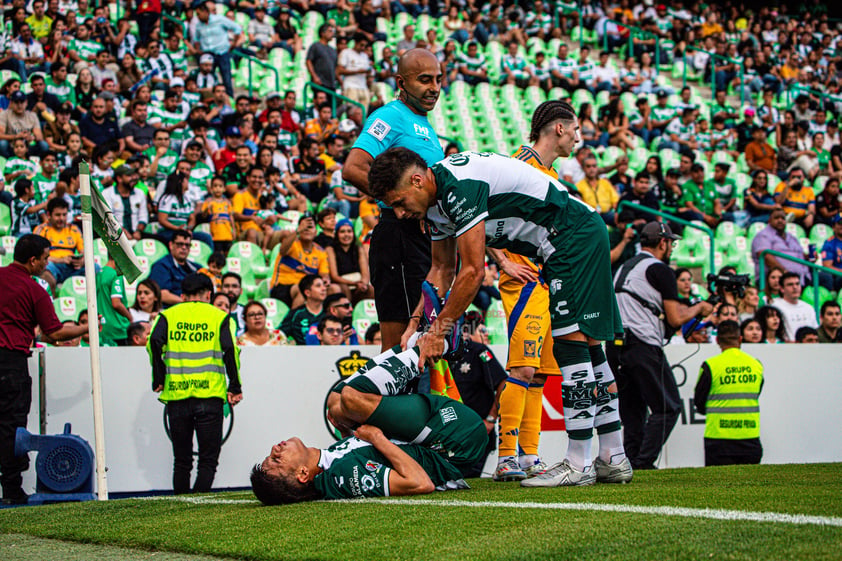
(502, 459)
(579, 454)
(527, 460)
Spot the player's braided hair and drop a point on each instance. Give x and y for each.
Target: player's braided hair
(548, 112)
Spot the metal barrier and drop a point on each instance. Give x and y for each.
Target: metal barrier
(672, 218)
(815, 267)
(569, 10)
(713, 73)
(333, 97)
(799, 88)
(175, 20)
(634, 32)
(254, 60)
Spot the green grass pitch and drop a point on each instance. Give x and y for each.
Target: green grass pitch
(746, 512)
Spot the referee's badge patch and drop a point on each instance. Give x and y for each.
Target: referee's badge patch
(379, 129)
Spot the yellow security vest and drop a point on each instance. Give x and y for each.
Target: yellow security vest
(733, 410)
(193, 353)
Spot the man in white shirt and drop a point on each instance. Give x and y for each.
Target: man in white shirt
(796, 313)
(127, 202)
(353, 68)
(605, 77)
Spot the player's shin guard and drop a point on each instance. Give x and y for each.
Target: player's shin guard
(607, 419)
(577, 394)
(530, 426)
(512, 403)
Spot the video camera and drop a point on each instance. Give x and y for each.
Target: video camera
(728, 282)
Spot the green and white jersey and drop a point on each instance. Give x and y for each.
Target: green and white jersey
(536, 23)
(586, 71)
(720, 140)
(684, 132)
(178, 58)
(23, 223)
(634, 116)
(200, 177)
(18, 164)
(159, 114)
(63, 91)
(205, 81)
(84, 48)
(191, 98)
(542, 72)
(473, 64)
(178, 212)
(354, 468)
(162, 63)
(522, 207)
(660, 114)
(724, 191)
(566, 67)
(166, 165)
(44, 185)
(704, 138)
(514, 65)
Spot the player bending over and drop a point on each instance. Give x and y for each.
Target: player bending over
(476, 199)
(401, 444)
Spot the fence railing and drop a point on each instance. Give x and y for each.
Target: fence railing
(254, 60)
(633, 32)
(793, 90)
(672, 218)
(715, 57)
(815, 267)
(332, 97)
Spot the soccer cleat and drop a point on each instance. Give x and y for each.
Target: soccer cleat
(561, 475)
(509, 470)
(535, 469)
(611, 473)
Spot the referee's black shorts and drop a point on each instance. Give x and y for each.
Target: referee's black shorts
(399, 259)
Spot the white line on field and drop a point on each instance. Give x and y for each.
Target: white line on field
(685, 512)
(710, 513)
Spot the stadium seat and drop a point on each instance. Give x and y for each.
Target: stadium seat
(276, 311)
(8, 243)
(74, 287)
(199, 253)
(262, 290)
(795, 230)
(145, 267)
(67, 308)
(252, 258)
(495, 322)
(820, 233)
(753, 229)
(5, 220)
(236, 265)
(100, 252)
(131, 292)
(809, 295)
(363, 316)
(151, 249)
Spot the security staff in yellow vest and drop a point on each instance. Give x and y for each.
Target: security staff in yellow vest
(192, 347)
(727, 394)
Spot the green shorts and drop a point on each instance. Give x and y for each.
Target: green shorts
(581, 286)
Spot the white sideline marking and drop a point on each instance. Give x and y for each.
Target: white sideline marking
(685, 512)
(710, 513)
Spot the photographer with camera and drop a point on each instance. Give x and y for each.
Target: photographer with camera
(647, 296)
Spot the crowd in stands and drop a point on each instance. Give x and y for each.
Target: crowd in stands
(249, 189)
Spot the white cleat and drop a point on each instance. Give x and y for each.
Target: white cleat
(561, 474)
(613, 473)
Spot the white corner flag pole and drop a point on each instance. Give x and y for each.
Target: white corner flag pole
(93, 329)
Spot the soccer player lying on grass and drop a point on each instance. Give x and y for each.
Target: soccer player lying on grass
(401, 444)
(473, 200)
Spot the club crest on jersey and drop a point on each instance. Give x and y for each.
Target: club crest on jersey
(529, 349)
(349, 365)
(555, 286)
(379, 129)
(372, 465)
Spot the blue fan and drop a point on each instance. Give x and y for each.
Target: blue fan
(64, 468)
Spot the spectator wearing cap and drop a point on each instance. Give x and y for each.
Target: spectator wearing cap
(205, 76)
(662, 114)
(57, 132)
(16, 122)
(138, 133)
(127, 202)
(210, 35)
(322, 59)
(353, 68)
(228, 153)
(647, 295)
(97, 129)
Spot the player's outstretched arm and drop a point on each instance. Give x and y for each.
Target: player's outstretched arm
(442, 271)
(407, 476)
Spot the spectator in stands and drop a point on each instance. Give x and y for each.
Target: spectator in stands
(28, 52)
(680, 133)
(26, 213)
(127, 202)
(312, 180)
(806, 335)
(372, 334)
(298, 256)
(67, 249)
(322, 58)
(564, 71)
(257, 332)
(170, 270)
(472, 66)
(759, 153)
(794, 312)
(724, 189)
(408, 41)
(138, 133)
(774, 236)
(353, 68)
(177, 211)
(302, 321)
(758, 202)
(831, 319)
(324, 125)
(210, 35)
(828, 203)
(339, 306)
(348, 263)
(622, 180)
(797, 199)
(98, 129)
(515, 70)
(832, 256)
(751, 331)
(699, 201)
(641, 194)
(147, 302)
(137, 333)
(329, 331)
(617, 126)
(366, 18)
(604, 77)
(598, 192)
(748, 304)
(16, 122)
(772, 324)
(57, 133)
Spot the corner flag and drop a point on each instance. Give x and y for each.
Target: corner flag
(109, 230)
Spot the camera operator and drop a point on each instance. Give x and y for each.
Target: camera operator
(647, 296)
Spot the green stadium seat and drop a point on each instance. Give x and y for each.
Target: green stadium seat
(809, 295)
(199, 253)
(495, 322)
(100, 252)
(151, 249)
(820, 233)
(819, 183)
(236, 265)
(753, 229)
(145, 266)
(795, 230)
(275, 312)
(262, 290)
(364, 314)
(252, 257)
(5, 220)
(67, 308)
(8, 243)
(727, 231)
